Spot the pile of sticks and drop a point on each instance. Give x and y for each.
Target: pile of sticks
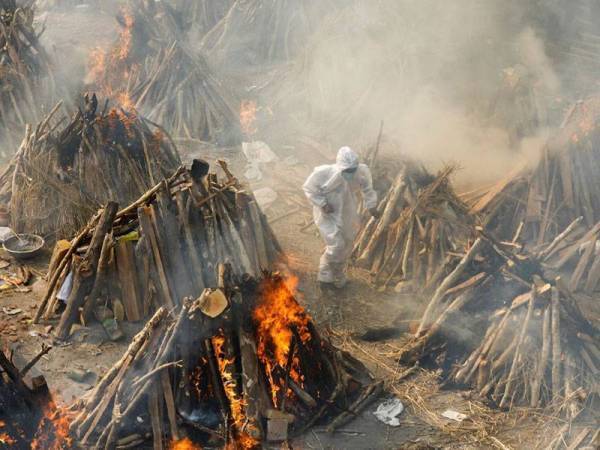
(159, 249)
(511, 328)
(63, 173)
(23, 65)
(201, 375)
(562, 187)
(178, 89)
(421, 228)
(258, 31)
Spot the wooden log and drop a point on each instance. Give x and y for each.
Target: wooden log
(446, 284)
(370, 394)
(167, 390)
(547, 252)
(582, 265)
(542, 363)
(155, 408)
(191, 249)
(522, 333)
(127, 273)
(256, 398)
(556, 345)
(85, 271)
(99, 293)
(148, 231)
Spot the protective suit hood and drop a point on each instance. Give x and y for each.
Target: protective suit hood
(346, 159)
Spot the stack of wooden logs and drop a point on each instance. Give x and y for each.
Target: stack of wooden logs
(161, 248)
(563, 186)
(510, 326)
(197, 375)
(61, 175)
(23, 64)
(421, 228)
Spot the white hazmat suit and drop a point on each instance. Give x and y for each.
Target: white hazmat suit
(329, 185)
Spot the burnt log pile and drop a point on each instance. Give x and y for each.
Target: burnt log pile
(237, 366)
(421, 228)
(560, 188)
(163, 247)
(23, 65)
(62, 173)
(511, 325)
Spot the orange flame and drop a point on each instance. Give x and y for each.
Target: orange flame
(184, 444)
(110, 69)
(276, 315)
(248, 111)
(236, 404)
(5, 439)
(53, 431)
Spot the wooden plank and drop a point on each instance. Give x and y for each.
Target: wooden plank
(127, 273)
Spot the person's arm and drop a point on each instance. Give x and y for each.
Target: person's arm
(312, 190)
(366, 187)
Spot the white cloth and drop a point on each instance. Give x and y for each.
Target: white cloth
(326, 185)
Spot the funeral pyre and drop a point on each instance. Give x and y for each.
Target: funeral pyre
(163, 247)
(562, 187)
(61, 175)
(162, 78)
(23, 65)
(517, 326)
(422, 225)
(237, 366)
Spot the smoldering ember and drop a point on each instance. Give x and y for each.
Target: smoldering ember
(341, 224)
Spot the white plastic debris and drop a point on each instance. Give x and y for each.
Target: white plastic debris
(389, 411)
(454, 415)
(258, 152)
(265, 197)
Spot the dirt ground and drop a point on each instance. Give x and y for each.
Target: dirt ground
(343, 316)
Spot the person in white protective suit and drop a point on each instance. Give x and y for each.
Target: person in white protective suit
(331, 189)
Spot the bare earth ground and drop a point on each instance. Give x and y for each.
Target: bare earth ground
(342, 316)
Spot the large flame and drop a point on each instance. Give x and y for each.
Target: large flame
(109, 70)
(53, 430)
(276, 316)
(237, 405)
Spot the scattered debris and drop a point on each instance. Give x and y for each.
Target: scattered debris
(389, 412)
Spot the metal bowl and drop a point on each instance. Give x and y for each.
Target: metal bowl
(24, 246)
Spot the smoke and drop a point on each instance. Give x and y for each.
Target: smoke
(467, 82)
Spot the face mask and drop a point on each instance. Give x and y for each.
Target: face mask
(348, 175)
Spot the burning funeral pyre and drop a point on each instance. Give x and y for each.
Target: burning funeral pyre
(61, 175)
(239, 365)
(166, 82)
(162, 248)
(28, 416)
(562, 187)
(421, 227)
(513, 326)
(23, 65)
